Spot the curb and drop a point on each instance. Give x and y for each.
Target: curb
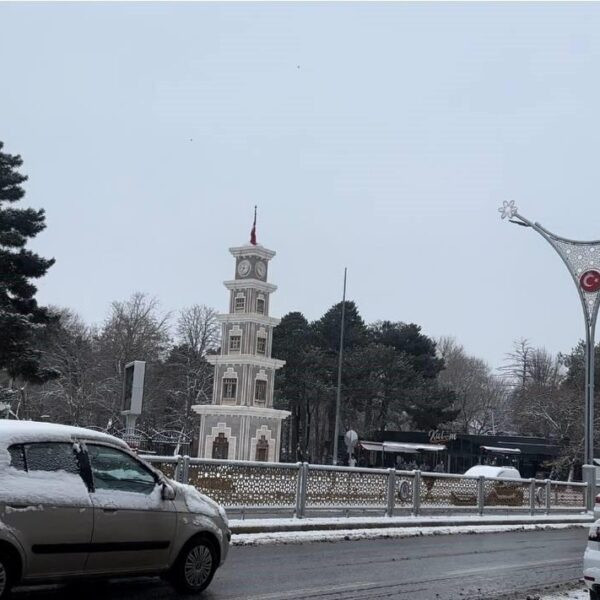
(238, 528)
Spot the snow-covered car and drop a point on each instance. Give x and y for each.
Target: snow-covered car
(591, 562)
(491, 471)
(502, 493)
(77, 503)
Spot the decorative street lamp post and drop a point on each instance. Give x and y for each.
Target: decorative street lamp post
(583, 261)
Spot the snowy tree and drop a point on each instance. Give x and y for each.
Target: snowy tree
(69, 347)
(134, 330)
(481, 397)
(187, 377)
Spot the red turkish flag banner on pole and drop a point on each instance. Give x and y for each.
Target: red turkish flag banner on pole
(253, 231)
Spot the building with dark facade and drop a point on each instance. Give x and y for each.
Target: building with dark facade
(457, 452)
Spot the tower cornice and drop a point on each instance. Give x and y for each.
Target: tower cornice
(244, 284)
(245, 359)
(250, 250)
(235, 410)
(248, 318)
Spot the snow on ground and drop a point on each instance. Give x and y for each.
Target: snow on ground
(314, 522)
(581, 594)
(300, 537)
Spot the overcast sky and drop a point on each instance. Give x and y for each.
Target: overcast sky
(381, 137)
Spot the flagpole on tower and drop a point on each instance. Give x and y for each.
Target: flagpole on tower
(253, 231)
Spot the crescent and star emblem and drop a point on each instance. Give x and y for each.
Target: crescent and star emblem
(590, 281)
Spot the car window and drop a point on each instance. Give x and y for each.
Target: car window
(115, 470)
(51, 456)
(17, 458)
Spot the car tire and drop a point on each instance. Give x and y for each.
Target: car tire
(195, 566)
(6, 575)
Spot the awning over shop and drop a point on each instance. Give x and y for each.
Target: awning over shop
(499, 450)
(373, 446)
(403, 447)
(408, 447)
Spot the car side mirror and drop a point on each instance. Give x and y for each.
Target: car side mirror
(167, 492)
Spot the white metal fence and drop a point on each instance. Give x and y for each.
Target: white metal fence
(301, 487)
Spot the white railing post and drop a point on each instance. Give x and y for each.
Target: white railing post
(480, 494)
(589, 477)
(178, 475)
(301, 489)
(532, 497)
(416, 493)
(185, 472)
(391, 492)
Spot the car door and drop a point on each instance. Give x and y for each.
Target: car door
(47, 505)
(134, 527)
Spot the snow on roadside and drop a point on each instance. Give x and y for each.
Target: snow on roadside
(409, 520)
(301, 537)
(582, 594)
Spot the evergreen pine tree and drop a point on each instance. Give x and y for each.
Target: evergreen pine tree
(20, 316)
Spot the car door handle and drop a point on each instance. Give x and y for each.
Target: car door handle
(109, 509)
(20, 506)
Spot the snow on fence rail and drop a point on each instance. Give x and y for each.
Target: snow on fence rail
(247, 485)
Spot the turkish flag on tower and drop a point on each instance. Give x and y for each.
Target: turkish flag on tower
(253, 231)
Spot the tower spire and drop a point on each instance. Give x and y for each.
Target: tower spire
(253, 231)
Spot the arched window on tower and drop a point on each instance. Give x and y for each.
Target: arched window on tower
(240, 303)
(260, 392)
(229, 393)
(261, 345)
(262, 449)
(220, 447)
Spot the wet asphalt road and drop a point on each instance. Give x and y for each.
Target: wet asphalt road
(448, 567)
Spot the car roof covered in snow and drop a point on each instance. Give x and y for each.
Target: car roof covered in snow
(15, 432)
(490, 471)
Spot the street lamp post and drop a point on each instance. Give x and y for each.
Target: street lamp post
(336, 432)
(583, 261)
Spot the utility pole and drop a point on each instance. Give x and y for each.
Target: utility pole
(339, 377)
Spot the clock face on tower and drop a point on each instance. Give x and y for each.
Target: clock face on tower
(243, 268)
(261, 269)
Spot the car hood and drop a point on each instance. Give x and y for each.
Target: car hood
(195, 501)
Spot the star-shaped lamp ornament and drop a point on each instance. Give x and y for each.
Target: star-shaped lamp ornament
(508, 209)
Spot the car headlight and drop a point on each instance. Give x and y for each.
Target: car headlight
(223, 515)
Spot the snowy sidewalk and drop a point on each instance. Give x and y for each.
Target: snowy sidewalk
(298, 531)
(581, 594)
(338, 523)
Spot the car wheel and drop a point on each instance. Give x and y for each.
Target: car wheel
(5, 576)
(195, 567)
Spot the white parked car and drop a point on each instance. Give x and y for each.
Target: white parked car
(76, 503)
(591, 562)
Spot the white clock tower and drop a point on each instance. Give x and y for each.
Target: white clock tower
(241, 423)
